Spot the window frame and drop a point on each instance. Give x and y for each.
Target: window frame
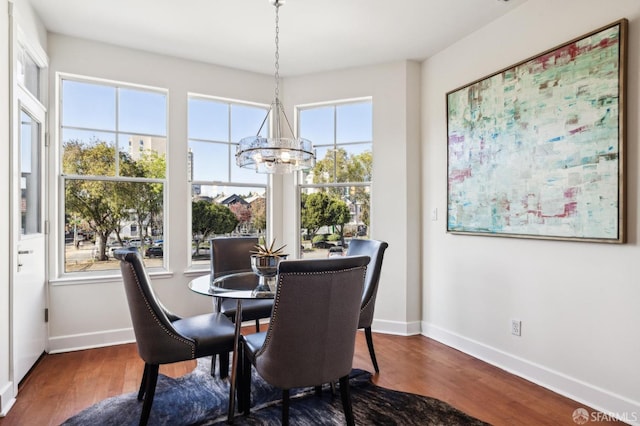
(60, 272)
(301, 185)
(231, 145)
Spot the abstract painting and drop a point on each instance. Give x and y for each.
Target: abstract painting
(536, 150)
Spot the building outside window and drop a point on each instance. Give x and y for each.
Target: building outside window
(335, 194)
(113, 145)
(226, 200)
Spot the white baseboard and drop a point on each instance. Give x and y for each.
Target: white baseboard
(396, 327)
(75, 342)
(7, 398)
(599, 399)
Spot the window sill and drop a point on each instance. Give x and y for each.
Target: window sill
(103, 278)
(196, 272)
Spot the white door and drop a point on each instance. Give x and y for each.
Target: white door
(28, 254)
(28, 282)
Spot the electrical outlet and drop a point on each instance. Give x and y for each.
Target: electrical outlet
(516, 327)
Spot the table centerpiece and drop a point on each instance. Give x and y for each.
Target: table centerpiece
(264, 262)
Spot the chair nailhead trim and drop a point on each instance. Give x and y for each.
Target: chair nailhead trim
(155, 317)
(276, 302)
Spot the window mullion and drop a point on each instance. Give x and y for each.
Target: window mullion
(229, 163)
(335, 144)
(117, 136)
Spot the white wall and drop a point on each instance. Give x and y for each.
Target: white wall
(578, 302)
(395, 189)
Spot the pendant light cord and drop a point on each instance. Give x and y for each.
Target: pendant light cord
(277, 63)
(276, 106)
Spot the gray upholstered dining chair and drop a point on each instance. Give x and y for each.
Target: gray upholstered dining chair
(375, 250)
(231, 255)
(311, 336)
(163, 337)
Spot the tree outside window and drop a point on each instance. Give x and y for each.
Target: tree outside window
(226, 200)
(335, 195)
(113, 145)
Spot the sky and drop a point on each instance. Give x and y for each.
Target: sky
(97, 111)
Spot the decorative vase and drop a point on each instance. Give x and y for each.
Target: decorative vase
(266, 267)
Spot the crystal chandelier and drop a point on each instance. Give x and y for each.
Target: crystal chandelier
(276, 154)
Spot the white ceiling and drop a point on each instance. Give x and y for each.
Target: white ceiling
(315, 35)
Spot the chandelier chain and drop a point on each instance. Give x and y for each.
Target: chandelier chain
(275, 153)
(277, 56)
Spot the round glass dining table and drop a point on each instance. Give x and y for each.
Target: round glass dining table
(227, 286)
(224, 287)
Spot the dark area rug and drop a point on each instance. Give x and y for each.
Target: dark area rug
(199, 399)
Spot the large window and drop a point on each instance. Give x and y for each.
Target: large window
(335, 194)
(226, 200)
(113, 144)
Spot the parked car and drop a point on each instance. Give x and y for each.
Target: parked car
(134, 243)
(323, 245)
(154, 251)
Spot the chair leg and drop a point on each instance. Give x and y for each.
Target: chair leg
(257, 326)
(346, 400)
(213, 365)
(285, 407)
(152, 379)
(245, 385)
(143, 382)
(240, 380)
(318, 390)
(367, 333)
(224, 365)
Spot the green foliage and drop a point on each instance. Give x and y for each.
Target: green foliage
(339, 213)
(103, 205)
(259, 214)
(146, 198)
(315, 212)
(102, 214)
(317, 238)
(322, 209)
(95, 159)
(211, 218)
(153, 165)
(334, 237)
(338, 166)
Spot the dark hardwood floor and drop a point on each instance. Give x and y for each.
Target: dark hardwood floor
(62, 384)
